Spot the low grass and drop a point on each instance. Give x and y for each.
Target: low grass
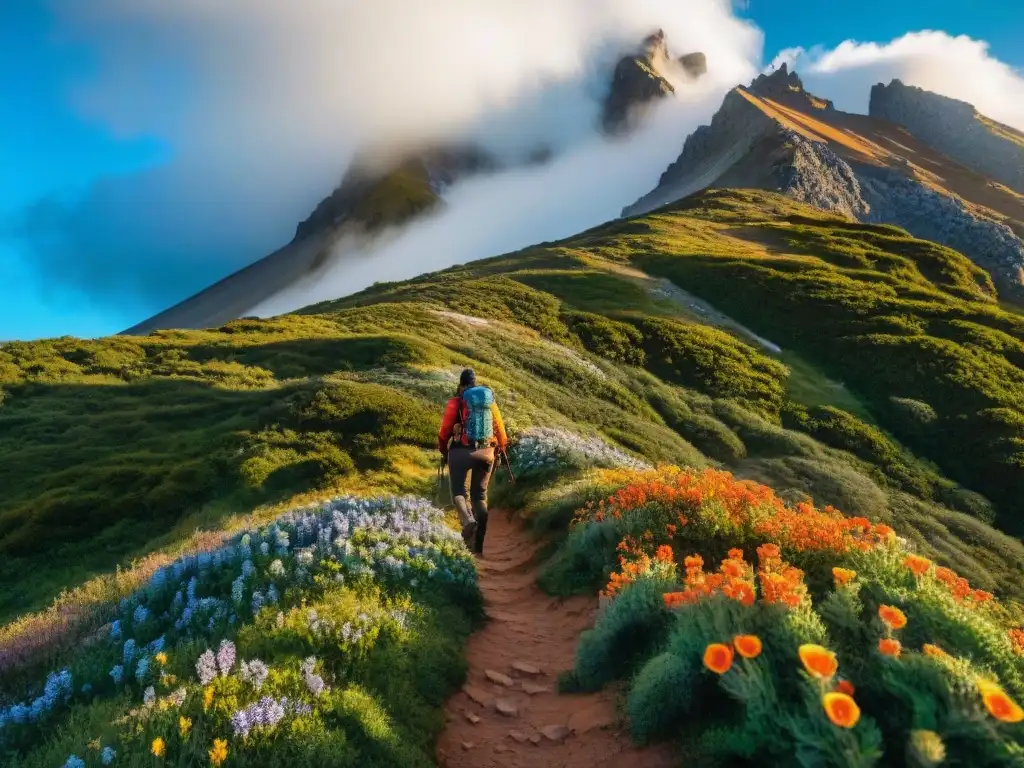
(124, 452)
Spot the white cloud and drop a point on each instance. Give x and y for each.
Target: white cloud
(959, 67)
(263, 103)
(503, 213)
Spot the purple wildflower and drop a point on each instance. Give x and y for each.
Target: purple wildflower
(226, 657)
(206, 667)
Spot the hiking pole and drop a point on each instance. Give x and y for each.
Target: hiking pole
(508, 466)
(440, 481)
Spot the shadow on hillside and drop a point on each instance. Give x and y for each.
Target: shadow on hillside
(301, 358)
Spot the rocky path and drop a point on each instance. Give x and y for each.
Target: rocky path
(509, 714)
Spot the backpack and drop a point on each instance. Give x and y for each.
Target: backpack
(479, 423)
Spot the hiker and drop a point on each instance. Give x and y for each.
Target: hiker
(470, 431)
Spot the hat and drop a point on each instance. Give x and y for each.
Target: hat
(467, 379)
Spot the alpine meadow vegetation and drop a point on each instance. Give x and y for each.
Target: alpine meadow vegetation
(227, 547)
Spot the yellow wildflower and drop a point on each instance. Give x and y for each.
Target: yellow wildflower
(219, 753)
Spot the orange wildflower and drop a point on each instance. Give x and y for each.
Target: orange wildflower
(934, 651)
(981, 596)
(893, 617)
(845, 686)
(718, 658)
(768, 552)
(843, 576)
(734, 569)
(998, 704)
(890, 647)
(747, 646)
(735, 553)
(693, 561)
(1017, 640)
(883, 532)
(819, 661)
(945, 575)
(841, 709)
(742, 593)
(675, 599)
(917, 564)
(665, 554)
(960, 588)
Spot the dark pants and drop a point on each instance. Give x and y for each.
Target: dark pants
(470, 472)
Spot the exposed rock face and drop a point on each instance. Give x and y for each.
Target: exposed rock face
(954, 128)
(785, 86)
(709, 152)
(695, 64)
(644, 77)
(744, 146)
(375, 196)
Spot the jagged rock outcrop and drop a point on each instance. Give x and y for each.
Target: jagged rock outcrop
(749, 144)
(708, 153)
(642, 78)
(955, 128)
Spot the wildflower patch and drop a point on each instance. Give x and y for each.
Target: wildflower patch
(268, 645)
(789, 634)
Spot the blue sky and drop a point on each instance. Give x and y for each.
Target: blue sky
(49, 151)
(791, 23)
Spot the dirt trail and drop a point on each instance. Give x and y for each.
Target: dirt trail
(509, 714)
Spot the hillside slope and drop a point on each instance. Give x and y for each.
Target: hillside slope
(776, 136)
(130, 451)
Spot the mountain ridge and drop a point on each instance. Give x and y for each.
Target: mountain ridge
(775, 135)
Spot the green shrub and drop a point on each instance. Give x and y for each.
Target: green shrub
(707, 433)
(631, 628)
(713, 362)
(608, 338)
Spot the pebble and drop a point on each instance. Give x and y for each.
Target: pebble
(499, 678)
(533, 688)
(471, 717)
(556, 733)
(526, 668)
(519, 736)
(506, 707)
(480, 697)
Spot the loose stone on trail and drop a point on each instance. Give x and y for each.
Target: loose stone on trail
(499, 678)
(533, 688)
(506, 707)
(526, 668)
(556, 733)
(480, 697)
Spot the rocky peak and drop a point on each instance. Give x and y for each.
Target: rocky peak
(784, 85)
(643, 77)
